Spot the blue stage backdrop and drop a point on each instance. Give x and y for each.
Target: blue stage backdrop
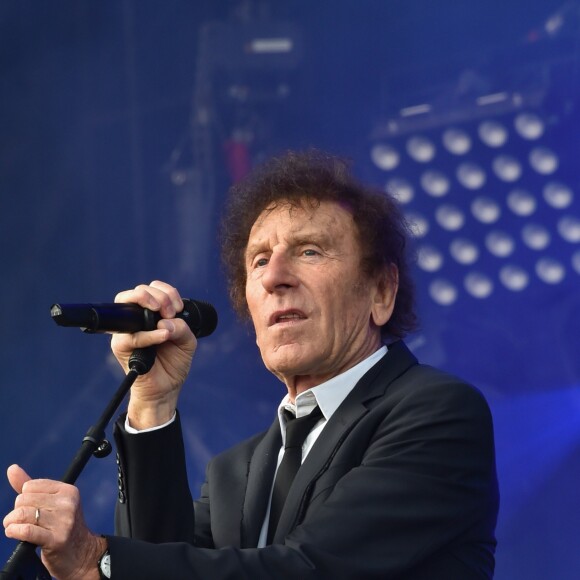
(123, 124)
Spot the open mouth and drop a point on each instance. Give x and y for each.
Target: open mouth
(287, 317)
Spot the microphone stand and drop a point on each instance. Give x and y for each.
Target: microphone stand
(24, 563)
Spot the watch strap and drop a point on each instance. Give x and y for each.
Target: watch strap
(104, 565)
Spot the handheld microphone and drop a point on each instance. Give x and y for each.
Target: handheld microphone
(200, 316)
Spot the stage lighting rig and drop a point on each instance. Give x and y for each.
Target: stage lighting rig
(491, 188)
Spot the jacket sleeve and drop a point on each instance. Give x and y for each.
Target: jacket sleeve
(155, 502)
(421, 503)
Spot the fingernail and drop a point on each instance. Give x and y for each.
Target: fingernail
(169, 325)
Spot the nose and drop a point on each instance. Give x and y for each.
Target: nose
(279, 273)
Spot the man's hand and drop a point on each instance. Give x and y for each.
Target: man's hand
(48, 514)
(154, 395)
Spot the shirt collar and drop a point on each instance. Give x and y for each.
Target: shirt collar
(330, 394)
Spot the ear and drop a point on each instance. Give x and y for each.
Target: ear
(386, 286)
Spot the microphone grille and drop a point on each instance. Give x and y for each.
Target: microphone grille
(203, 317)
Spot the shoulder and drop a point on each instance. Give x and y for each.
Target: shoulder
(430, 400)
(429, 384)
(426, 402)
(401, 379)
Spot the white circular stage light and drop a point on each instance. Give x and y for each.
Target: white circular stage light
(514, 278)
(443, 292)
(558, 195)
(385, 156)
(492, 133)
(507, 168)
(435, 183)
(456, 141)
(544, 160)
(478, 285)
(450, 217)
(464, 251)
(429, 258)
(421, 149)
(521, 202)
(535, 236)
(401, 189)
(569, 229)
(486, 210)
(576, 261)
(471, 175)
(500, 244)
(418, 224)
(529, 126)
(550, 271)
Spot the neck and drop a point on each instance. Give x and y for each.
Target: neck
(297, 384)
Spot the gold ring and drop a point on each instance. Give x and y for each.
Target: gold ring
(36, 516)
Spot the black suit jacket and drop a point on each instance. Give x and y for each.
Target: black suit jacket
(401, 483)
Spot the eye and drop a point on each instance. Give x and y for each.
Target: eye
(310, 252)
(260, 262)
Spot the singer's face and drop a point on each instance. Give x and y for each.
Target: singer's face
(314, 312)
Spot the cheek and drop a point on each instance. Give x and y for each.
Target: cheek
(251, 303)
(352, 307)
(254, 318)
(260, 338)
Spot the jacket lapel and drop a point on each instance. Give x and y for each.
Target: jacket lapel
(260, 477)
(372, 385)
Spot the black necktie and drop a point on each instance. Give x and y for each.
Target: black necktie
(296, 432)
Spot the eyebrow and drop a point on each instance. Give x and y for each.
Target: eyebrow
(319, 237)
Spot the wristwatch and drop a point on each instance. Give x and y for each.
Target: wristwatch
(105, 566)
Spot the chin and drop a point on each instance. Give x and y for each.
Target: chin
(292, 359)
(287, 369)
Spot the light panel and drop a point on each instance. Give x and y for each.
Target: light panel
(490, 204)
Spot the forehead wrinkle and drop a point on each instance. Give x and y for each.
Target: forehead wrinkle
(298, 234)
(300, 219)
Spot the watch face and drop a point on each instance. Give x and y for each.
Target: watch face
(105, 565)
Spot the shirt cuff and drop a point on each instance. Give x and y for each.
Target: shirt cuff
(134, 431)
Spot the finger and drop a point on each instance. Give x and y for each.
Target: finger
(126, 343)
(182, 343)
(168, 297)
(178, 330)
(23, 515)
(28, 533)
(139, 295)
(67, 500)
(171, 292)
(17, 477)
(47, 487)
(158, 296)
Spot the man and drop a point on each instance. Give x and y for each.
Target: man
(398, 471)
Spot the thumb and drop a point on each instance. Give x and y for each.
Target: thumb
(17, 477)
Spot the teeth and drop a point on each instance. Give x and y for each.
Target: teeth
(289, 316)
